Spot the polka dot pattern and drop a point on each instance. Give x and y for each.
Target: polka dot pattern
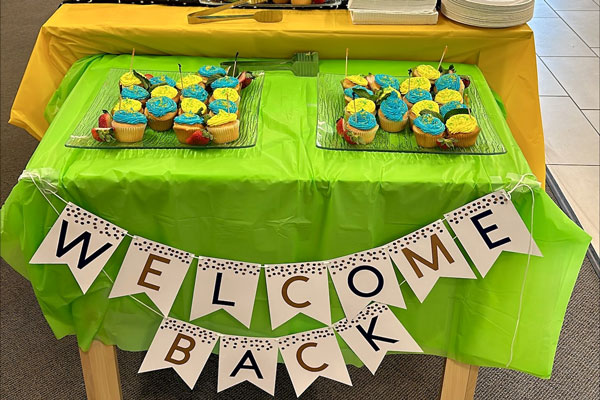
(285, 270)
(496, 198)
(148, 246)
(79, 216)
(365, 257)
(257, 344)
(204, 335)
(367, 314)
(312, 336)
(423, 233)
(237, 267)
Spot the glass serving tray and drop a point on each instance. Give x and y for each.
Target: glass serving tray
(328, 4)
(108, 96)
(330, 107)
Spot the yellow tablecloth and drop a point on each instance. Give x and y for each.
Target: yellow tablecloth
(506, 56)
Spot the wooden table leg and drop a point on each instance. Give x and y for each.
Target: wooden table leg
(101, 372)
(459, 381)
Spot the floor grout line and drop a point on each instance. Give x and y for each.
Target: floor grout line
(570, 27)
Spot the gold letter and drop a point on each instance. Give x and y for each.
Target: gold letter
(436, 244)
(286, 297)
(305, 365)
(184, 350)
(148, 270)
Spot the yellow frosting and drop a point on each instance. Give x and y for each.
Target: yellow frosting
(461, 123)
(221, 118)
(129, 79)
(416, 82)
(189, 80)
(359, 104)
(425, 105)
(128, 104)
(448, 95)
(357, 80)
(226, 94)
(190, 104)
(164, 90)
(390, 89)
(427, 71)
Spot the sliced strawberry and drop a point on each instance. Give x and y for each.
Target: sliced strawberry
(103, 134)
(446, 143)
(348, 138)
(318, 1)
(340, 127)
(149, 76)
(200, 138)
(96, 136)
(105, 120)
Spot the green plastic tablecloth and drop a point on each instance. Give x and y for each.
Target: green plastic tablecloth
(285, 200)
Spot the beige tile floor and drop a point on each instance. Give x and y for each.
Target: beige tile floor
(567, 41)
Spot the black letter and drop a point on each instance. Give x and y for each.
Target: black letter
(484, 231)
(85, 237)
(253, 365)
(215, 299)
(371, 338)
(368, 268)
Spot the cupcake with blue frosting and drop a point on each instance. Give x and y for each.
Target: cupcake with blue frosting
(362, 127)
(449, 81)
(208, 71)
(393, 114)
(223, 105)
(226, 82)
(379, 81)
(160, 112)
(428, 129)
(452, 105)
(196, 92)
(186, 124)
(129, 126)
(416, 95)
(162, 80)
(349, 94)
(135, 93)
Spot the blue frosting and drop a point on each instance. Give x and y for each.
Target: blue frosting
(188, 119)
(362, 120)
(159, 106)
(430, 124)
(416, 95)
(384, 81)
(195, 91)
(348, 92)
(210, 70)
(448, 81)
(223, 104)
(451, 106)
(134, 92)
(129, 117)
(225, 82)
(393, 108)
(156, 80)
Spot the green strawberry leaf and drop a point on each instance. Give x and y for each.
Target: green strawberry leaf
(454, 112)
(213, 78)
(435, 114)
(145, 81)
(361, 93)
(152, 87)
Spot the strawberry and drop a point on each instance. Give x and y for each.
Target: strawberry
(105, 120)
(446, 143)
(245, 79)
(103, 134)
(466, 81)
(348, 139)
(149, 76)
(339, 126)
(200, 138)
(318, 1)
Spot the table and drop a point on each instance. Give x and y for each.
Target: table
(330, 203)
(506, 56)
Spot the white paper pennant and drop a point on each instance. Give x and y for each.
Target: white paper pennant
(181, 346)
(489, 225)
(311, 354)
(298, 288)
(364, 277)
(424, 256)
(225, 284)
(81, 240)
(152, 268)
(247, 359)
(373, 333)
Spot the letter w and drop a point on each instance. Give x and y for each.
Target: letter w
(85, 237)
(436, 244)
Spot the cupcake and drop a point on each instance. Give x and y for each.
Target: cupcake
(452, 105)
(349, 94)
(207, 71)
(225, 127)
(379, 81)
(127, 105)
(416, 95)
(185, 125)
(415, 83)
(189, 80)
(226, 82)
(415, 111)
(354, 80)
(129, 79)
(449, 81)
(196, 92)
(166, 91)
(362, 127)
(463, 128)
(391, 90)
(428, 129)
(225, 94)
(223, 105)
(162, 80)
(160, 112)
(136, 93)
(393, 114)
(360, 104)
(447, 95)
(427, 71)
(129, 126)
(301, 2)
(191, 105)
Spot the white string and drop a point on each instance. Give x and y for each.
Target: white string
(31, 176)
(139, 301)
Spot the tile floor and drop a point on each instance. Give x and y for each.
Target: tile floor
(567, 41)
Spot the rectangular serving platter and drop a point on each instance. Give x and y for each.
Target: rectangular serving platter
(108, 96)
(330, 107)
(328, 4)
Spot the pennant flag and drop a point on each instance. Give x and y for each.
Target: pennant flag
(373, 333)
(364, 277)
(489, 225)
(152, 268)
(81, 240)
(312, 354)
(225, 284)
(298, 288)
(247, 359)
(422, 257)
(181, 346)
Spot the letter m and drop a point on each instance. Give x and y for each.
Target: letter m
(436, 244)
(84, 238)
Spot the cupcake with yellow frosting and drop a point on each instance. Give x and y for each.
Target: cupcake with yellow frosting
(354, 80)
(463, 128)
(129, 79)
(225, 94)
(362, 127)
(393, 114)
(166, 91)
(225, 127)
(127, 105)
(223, 105)
(416, 110)
(129, 126)
(186, 124)
(447, 95)
(427, 71)
(360, 104)
(191, 105)
(449, 81)
(415, 83)
(189, 80)
(428, 129)
(160, 112)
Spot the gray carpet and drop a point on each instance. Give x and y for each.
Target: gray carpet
(34, 365)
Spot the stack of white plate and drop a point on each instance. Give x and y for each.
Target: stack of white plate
(403, 12)
(489, 13)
